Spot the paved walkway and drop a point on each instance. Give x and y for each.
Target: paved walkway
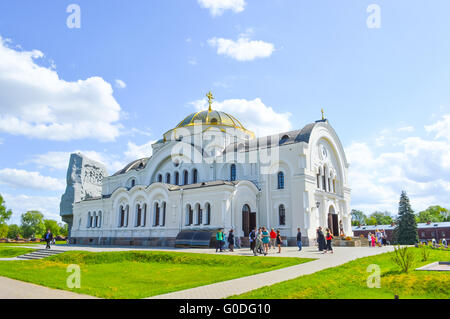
(15, 289)
(10, 288)
(241, 285)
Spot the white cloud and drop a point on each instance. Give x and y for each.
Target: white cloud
(218, 7)
(47, 205)
(441, 128)
(22, 179)
(408, 129)
(120, 84)
(254, 115)
(36, 103)
(243, 49)
(192, 61)
(419, 166)
(135, 152)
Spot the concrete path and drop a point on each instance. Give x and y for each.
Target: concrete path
(15, 289)
(241, 285)
(10, 288)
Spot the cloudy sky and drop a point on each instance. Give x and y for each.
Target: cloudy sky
(135, 69)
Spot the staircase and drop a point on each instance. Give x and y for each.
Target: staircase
(40, 254)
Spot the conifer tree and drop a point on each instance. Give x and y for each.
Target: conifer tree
(406, 231)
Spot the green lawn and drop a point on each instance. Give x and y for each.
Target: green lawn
(350, 281)
(139, 274)
(9, 252)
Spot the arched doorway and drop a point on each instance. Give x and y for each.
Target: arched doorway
(333, 222)
(248, 220)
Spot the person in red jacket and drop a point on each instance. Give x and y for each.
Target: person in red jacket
(328, 237)
(273, 238)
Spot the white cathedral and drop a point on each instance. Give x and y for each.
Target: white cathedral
(210, 172)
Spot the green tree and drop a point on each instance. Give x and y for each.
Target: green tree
(380, 218)
(358, 218)
(32, 224)
(3, 230)
(406, 231)
(5, 215)
(13, 231)
(63, 229)
(52, 225)
(433, 214)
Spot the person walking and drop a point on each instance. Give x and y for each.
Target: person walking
(258, 243)
(48, 238)
(279, 241)
(273, 237)
(329, 239)
(252, 239)
(265, 239)
(231, 240)
(321, 239)
(219, 240)
(299, 239)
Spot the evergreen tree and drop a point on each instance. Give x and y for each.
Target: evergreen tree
(406, 231)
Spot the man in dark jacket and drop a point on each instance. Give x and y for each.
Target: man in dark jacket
(48, 238)
(299, 239)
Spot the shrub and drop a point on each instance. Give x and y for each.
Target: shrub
(403, 257)
(424, 252)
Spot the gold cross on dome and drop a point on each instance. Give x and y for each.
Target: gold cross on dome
(323, 117)
(210, 99)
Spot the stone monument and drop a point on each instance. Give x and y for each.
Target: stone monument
(84, 181)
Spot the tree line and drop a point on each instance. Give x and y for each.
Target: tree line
(33, 224)
(432, 214)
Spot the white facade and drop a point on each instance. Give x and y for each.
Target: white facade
(304, 184)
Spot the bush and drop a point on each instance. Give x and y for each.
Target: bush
(403, 257)
(424, 252)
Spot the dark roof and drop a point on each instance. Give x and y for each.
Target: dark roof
(136, 165)
(286, 138)
(202, 185)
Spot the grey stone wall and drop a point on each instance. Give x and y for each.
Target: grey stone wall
(84, 181)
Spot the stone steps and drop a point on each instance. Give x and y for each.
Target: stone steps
(40, 254)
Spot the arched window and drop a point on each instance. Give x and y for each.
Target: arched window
(159, 178)
(334, 186)
(133, 183)
(163, 217)
(138, 216)
(186, 178)
(194, 176)
(284, 139)
(280, 180)
(177, 178)
(189, 215)
(100, 215)
(144, 221)
(208, 214)
(318, 180)
(324, 180)
(168, 178)
(282, 215)
(122, 216)
(233, 173)
(89, 220)
(127, 214)
(199, 216)
(156, 215)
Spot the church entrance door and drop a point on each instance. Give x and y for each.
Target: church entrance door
(248, 220)
(333, 222)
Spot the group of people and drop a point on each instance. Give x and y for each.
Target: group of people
(222, 241)
(324, 240)
(378, 239)
(260, 239)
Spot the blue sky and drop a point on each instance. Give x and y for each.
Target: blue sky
(385, 90)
